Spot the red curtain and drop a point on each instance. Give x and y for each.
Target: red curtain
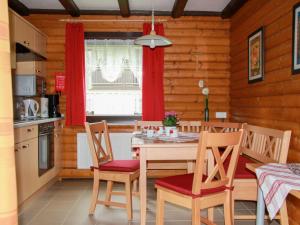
(75, 74)
(153, 69)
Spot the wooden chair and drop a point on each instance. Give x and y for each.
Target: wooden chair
(197, 191)
(263, 145)
(190, 126)
(106, 168)
(220, 127)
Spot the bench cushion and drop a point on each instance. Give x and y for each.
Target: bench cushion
(183, 184)
(121, 165)
(241, 171)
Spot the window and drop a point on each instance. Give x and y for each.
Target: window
(113, 77)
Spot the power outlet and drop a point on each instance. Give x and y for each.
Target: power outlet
(201, 83)
(221, 115)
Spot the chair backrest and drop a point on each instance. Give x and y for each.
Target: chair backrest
(95, 133)
(140, 125)
(216, 177)
(220, 127)
(190, 126)
(265, 144)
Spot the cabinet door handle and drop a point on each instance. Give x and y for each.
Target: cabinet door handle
(29, 130)
(25, 146)
(16, 149)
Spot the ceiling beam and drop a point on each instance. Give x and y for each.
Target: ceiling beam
(124, 8)
(71, 7)
(232, 7)
(178, 8)
(19, 7)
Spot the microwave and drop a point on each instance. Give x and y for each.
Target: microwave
(29, 85)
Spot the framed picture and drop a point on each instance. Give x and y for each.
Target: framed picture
(256, 56)
(296, 40)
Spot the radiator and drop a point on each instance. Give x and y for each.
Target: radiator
(121, 145)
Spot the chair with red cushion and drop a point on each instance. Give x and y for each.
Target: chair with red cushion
(106, 168)
(198, 191)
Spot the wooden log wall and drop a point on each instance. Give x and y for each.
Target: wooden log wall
(200, 50)
(274, 102)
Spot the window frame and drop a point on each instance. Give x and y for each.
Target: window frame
(120, 119)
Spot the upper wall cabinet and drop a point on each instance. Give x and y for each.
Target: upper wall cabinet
(26, 39)
(40, 43)
(23, 32)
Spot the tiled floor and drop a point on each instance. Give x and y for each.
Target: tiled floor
(67, 203)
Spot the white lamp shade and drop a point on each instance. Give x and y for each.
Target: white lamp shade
(152, 41)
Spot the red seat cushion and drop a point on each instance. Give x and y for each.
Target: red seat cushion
(121, 165)
(241, 171)
(184, 183)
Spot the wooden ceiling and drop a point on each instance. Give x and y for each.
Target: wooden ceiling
(72, 8)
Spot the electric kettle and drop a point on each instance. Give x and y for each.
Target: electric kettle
(31, 108)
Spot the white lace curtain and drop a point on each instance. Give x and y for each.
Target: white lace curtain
(111, 61)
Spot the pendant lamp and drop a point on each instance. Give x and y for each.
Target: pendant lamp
(152, 40)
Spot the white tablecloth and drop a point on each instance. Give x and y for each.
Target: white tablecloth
(276, 181)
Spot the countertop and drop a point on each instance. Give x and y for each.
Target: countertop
(24, 123)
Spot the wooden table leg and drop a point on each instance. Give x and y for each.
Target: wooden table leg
(260, 210)
(143, 185)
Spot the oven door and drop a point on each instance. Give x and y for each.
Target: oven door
(46, 152)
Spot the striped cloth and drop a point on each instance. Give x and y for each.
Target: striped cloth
(276, 181)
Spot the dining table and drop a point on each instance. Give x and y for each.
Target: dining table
(260, 210)
(183, 147)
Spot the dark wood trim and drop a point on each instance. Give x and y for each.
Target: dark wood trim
(178, 8)
(48, 11)
(112, 35)
(132, 13)
(19, 7)
(294, 53)
(201, 13)
(70, 7)
(232, 7)
(124, 8)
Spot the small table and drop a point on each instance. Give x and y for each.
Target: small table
(260, 211)
(157, 149)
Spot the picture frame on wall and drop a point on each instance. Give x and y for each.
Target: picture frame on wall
(256, 56)
(296, 40)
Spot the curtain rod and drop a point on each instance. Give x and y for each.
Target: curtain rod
(108, 20)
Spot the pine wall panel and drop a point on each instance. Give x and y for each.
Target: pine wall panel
(274, 102)
(200, 50)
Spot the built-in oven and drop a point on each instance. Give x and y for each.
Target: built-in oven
(46, 147)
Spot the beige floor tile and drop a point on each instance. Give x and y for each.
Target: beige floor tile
(67, 203)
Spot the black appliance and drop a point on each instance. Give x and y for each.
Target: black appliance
(53, 104)
(46, 147)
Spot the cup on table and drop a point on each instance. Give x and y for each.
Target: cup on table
(160, 130)
(150, 133)
(174, 133)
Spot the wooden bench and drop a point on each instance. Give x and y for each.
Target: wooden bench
(263, 145)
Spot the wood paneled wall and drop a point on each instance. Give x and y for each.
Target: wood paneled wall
(274, 102)
(8, 189)
(200, 51)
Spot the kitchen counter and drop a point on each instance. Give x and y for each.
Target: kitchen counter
(24, 123)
